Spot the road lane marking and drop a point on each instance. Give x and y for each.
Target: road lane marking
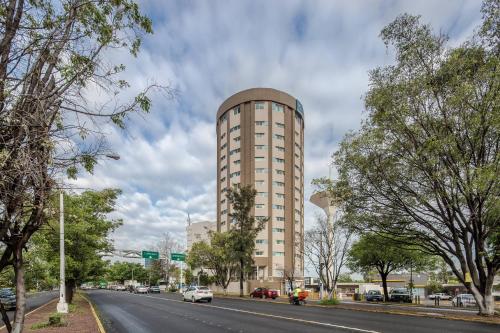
(319, 323)
(100, 327)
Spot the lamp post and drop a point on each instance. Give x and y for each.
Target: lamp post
(62, 306)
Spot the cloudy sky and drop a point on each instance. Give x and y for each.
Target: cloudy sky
(318, 51)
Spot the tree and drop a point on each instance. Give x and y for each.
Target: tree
(121, 271)
(325, 246)
(51, 69)
(165, 247)
(245, 227)
(386, 255)
(425, 165)
(86, 230)
(218, 257)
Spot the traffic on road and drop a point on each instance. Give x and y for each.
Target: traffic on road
(127, 312)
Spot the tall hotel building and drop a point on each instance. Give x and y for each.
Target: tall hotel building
(260, 140)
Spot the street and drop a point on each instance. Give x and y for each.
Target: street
(126, 312)
(36, 300)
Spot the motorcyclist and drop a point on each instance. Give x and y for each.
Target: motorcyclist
(296, 292)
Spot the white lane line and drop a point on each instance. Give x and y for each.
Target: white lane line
(355, 329)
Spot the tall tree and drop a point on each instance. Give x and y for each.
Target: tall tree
(167, 245)
(425, 164)
(51, 69)
(86, 230)
(244, 227)
(326, 245)
(386, 255)
(218, 257)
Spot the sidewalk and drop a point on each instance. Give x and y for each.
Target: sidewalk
(80, 319)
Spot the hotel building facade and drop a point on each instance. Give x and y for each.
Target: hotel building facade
(260, 142)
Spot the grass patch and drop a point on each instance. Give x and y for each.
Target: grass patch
(332, 301)
(55, 320)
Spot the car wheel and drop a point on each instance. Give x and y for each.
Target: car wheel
(209, 300)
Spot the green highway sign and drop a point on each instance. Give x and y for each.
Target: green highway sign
(150, 255)
(178, 256)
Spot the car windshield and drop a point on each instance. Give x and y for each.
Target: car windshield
(374, 292)
(399, 291)
(203, 288)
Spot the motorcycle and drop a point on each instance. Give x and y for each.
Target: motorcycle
(301, 300)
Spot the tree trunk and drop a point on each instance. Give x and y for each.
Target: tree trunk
(241, 277)
(484, 301)
(5, 318)
(383, 276)
(20, 292)
(70, 289)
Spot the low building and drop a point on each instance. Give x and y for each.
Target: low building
(199, 232)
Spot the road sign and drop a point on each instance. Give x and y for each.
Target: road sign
(150, 255)
(178, 256)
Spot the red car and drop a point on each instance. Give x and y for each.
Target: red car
(264, 293)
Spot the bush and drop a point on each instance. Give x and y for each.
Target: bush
(172, 289)
(332, 301)
(55, 320)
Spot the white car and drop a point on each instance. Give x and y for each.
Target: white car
(442, 296)
(463, 300)
(141, 290)
(197, 293)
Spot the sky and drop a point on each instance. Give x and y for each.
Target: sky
(318, 51)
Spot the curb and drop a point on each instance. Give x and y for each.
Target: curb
(99, 323)
(395, 312)
(32, 311)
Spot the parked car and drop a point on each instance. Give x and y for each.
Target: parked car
(264, 293)
(463, 300)
(141, 289)
(154, 289)
(400, 295)
(8, 298)
(197, 293)
(120, 287)
(374, 296)
(440, 296)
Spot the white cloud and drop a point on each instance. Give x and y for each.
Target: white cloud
(318, 51)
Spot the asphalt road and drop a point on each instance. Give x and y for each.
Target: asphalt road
(36, 300)
(123, 312)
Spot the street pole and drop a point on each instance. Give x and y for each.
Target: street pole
(62, 306)
(182, 266)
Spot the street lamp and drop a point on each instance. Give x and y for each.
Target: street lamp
(62, 306)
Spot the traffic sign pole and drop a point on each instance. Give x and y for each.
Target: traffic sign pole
(182, 266)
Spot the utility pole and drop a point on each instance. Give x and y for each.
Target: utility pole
(62, 306)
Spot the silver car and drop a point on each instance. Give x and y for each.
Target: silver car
(141, 290)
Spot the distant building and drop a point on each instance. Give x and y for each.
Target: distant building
(199, 232)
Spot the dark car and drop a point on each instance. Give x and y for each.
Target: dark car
(154, 289)
(264, 293)
(8, 298)
(400, 295)
(374, 296)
